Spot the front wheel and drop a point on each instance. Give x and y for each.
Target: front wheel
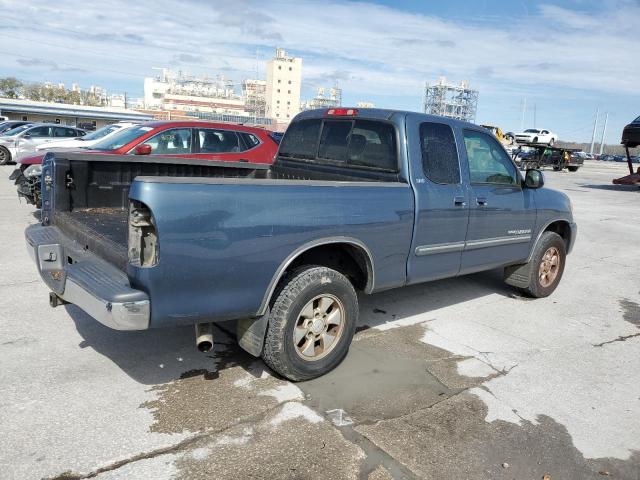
(311, 324)
(573, 169)
(551, 142)
(547, 265)
(5, 156)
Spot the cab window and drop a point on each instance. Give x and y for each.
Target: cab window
(439, 154)
(488, 162)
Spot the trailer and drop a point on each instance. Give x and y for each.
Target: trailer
(532, 155)
(632, 178)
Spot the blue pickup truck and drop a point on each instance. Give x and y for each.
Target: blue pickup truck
(356, 200)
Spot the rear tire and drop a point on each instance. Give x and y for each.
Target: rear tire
(547, 266)
(551, 142)
(5, 156)
(304, 319)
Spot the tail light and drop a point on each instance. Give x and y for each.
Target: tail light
(342, 112)
(143, 238)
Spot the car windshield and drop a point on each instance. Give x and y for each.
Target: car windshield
(101, 132)
(15, 131)
(121, 138)
(532, 130)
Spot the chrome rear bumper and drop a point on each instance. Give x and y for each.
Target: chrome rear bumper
(83, 279)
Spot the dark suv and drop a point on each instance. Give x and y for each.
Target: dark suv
(631, 134)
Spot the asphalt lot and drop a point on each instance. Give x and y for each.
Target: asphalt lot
(454, 379)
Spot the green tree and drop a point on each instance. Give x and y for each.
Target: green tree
(10, 87)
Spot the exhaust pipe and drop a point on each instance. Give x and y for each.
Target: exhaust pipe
(204, 336)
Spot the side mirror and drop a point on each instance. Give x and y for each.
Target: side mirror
(534, 179)
(143, 149)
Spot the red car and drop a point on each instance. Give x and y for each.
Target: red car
(189, 139)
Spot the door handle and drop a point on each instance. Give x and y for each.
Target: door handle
(481, 201)
(459, 201)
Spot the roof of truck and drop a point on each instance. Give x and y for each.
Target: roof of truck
(378, 113)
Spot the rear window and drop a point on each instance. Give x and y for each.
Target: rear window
(361, 143)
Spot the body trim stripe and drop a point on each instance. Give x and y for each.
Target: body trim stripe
(470, 245)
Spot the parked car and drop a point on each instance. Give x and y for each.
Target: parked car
(11, 124)
(89, 140)
(631, 134)
(188, 139)
(21, 140)
(181, 139)
(356, 200)
(539, 137)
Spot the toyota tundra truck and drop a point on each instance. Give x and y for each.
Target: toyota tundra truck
(356, 200)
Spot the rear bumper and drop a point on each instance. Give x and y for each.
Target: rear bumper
(83, 279)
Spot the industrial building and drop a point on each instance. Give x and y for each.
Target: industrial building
(186, 93)
(65, 114)
(450, 100)
(325, 98)
(284, 79)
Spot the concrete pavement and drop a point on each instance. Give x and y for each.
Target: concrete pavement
(460, 378)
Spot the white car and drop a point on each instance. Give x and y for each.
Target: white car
(539, 137)
(15, 143)
(88, 140)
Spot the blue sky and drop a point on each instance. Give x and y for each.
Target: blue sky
(565, 57)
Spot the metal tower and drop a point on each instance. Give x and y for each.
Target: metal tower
(449, 100)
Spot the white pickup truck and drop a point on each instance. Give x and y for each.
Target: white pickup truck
(539, 137)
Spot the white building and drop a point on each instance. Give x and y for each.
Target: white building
(253, 93)
(284, 78)
(325, 98)
(176, 91)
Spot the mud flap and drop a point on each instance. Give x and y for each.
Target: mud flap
(251, 333)
(518, 275)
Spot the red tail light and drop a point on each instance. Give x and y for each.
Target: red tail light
(344, 112)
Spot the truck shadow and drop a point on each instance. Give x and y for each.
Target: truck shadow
(162, 355)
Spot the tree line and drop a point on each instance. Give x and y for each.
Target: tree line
(11, 87)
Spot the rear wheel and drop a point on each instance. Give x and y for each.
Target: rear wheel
(547, 265)
(535, 140)
(551, 142)
(5, 156)
(311, 324)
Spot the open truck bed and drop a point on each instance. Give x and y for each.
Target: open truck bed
(93, 207)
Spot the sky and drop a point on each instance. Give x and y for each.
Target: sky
(565, 59)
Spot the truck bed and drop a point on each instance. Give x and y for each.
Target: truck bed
(91, 199)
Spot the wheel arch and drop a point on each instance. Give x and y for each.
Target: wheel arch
(560, 226)
(354, 251)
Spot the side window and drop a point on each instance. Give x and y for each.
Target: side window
(171, 142)
(250, 140)
(334, 140)
(488, 162)
(71, 132)
(439, 154)
(39, 132)
(301, 139)
(219, 141)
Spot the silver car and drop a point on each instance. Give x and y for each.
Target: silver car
(24, 139)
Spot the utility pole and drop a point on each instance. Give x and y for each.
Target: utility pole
(524, 109)
(604, 131)
(593, 135)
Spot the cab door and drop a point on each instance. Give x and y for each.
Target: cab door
(441, 202)
(501, 213)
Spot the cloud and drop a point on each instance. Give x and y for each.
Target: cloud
(46, 64)
(186, 58)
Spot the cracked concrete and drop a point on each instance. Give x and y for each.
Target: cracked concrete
(451, 379)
